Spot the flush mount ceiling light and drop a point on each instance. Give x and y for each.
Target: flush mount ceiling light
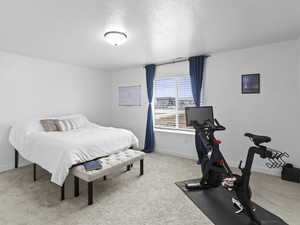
(115, 38)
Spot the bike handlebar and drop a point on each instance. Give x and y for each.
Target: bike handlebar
(208, 125)
(219, 126)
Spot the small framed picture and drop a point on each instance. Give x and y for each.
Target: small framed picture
(251, 83)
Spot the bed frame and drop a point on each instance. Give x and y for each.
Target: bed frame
(62, 188)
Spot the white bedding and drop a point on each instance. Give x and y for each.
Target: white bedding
(58, 151)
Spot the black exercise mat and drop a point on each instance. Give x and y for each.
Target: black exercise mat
(217, 205)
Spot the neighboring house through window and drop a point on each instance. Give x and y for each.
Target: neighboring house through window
(171, 96)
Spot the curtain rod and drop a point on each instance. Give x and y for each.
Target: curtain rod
(176, 61)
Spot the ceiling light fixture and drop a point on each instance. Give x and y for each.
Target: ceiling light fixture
(115, 38)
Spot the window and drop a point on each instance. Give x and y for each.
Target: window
(171, 96)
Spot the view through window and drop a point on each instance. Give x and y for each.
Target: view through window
(171, 96)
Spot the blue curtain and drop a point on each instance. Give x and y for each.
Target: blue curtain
(196, 74)
(150, 138)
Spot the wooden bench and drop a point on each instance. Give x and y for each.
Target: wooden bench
(110, 164)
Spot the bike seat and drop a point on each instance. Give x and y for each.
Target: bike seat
(258, 139)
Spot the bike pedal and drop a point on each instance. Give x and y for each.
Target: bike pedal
(239, 211)
(237, 204)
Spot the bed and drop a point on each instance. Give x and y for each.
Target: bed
(58, 151)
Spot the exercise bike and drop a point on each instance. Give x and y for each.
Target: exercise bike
(215, 170)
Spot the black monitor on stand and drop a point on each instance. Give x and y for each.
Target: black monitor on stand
(198, 114)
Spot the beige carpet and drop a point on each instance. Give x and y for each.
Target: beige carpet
(127, 199)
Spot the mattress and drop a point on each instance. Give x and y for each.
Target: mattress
(58, 151)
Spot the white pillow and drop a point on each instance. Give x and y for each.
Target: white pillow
(69, 124)
(35, 125)
(21, 129)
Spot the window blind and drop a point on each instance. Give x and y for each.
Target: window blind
(171, 96)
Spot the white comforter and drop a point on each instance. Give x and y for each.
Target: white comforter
(58, 151)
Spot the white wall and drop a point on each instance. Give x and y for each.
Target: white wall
(274, 112)
(298, 62)
(31, 88)
(133, 117)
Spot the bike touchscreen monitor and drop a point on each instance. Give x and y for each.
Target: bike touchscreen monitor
(198, 114)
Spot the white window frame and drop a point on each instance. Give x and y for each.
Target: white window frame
(171, 129)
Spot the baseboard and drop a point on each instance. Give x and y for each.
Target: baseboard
(181, 154)
(266, 170)
(260, 169)
(6, 167)
(24, 162)
(233, 164)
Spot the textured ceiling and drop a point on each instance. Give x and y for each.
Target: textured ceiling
(72, 31)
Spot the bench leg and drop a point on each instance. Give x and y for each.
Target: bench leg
(16, 158)
(62, 189)
(104, 177)
(141, 167)
(76, 186)
(90, 193)
(34, 172)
